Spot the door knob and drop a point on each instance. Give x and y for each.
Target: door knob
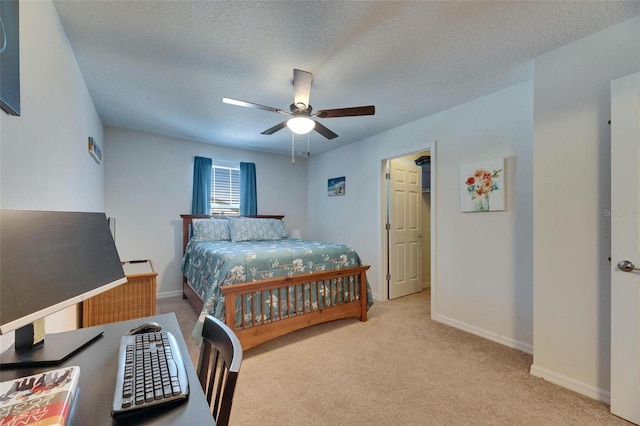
(627, 266)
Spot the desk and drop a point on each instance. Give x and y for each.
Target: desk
(97, 362)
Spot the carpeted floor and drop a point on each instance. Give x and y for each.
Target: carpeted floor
(398, 368)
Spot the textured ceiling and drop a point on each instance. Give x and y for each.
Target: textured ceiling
(164, 66)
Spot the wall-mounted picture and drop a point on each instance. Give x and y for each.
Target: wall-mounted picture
(336, 186)
(482, 186)
(9, 57)
(94, 150)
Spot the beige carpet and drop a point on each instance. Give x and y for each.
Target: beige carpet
(398, 368)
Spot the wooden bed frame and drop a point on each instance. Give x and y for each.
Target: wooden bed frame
(261, 332)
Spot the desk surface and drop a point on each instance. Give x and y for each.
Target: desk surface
(98, 364)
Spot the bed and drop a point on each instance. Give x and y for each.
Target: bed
(247, 272)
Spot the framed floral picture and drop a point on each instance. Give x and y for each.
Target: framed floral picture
(482, 186)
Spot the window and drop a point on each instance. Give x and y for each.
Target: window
(225, 189)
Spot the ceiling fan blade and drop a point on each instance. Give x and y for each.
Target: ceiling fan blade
(252, 105)
(346, 112)
(301, 88)
(275, 128)
(324, 131)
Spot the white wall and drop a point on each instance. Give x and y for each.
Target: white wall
(44, 163)
(148, 184)
(572, 191)
(491, 293)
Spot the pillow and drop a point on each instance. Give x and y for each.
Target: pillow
(252, 229)
(210, 230)
(278, 227)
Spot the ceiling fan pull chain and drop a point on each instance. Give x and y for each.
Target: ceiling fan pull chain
(293, 149)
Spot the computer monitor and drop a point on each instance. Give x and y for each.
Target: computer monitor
(50, 261)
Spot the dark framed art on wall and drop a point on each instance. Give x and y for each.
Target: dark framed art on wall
(336, 186)
(9, 57)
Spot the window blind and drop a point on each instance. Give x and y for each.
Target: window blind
(225, 190)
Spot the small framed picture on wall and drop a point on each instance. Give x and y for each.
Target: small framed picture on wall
(336, 186)
(94, 150)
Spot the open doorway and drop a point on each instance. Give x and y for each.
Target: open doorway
(407, 237)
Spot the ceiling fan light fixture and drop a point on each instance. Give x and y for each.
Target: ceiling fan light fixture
(300, 122)
(301, 125)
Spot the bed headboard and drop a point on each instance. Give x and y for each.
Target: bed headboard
(188, 218)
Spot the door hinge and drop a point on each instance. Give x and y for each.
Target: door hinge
(387, 176)
(388, 277)
(387, 226)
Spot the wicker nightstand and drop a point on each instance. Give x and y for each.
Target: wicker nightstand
(134, 299)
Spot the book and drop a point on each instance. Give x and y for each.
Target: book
(43, 399)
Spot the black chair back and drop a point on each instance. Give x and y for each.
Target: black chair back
(218, 367)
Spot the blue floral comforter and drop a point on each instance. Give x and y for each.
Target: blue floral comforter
(208, 265)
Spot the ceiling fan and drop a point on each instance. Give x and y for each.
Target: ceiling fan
(301, 121)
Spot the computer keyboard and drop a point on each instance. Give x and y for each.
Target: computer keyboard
(151, 373)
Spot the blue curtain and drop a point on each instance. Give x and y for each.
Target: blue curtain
(201, 197)
(248, 193)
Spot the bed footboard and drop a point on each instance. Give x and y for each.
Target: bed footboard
(255, 327)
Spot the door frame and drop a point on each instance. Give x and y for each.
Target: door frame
(382, 206)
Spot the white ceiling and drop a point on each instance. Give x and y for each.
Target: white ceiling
(164, 66)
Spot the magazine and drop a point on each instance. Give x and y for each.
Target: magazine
(43, 399)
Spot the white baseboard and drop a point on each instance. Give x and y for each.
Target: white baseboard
(494, 337)
(168, 294)
(572, 384)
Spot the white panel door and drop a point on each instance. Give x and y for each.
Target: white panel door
(404, 236)
(625, 247)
